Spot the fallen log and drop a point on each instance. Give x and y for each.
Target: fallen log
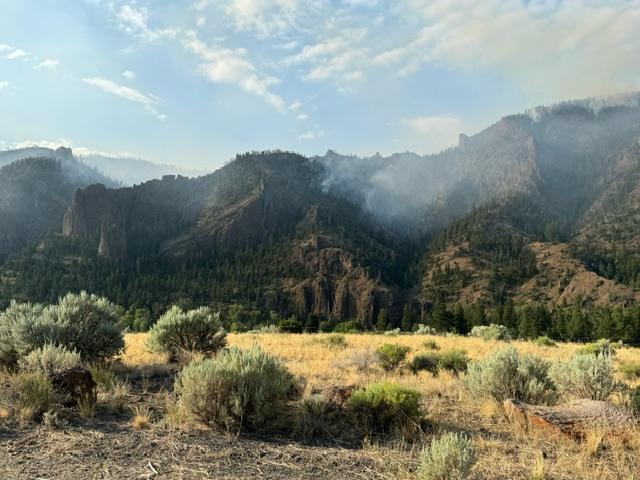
(575, 418)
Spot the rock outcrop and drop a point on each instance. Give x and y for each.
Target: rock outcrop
(575, 418)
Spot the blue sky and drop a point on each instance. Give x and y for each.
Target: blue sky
(192, 82)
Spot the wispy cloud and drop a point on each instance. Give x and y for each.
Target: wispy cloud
(224, 65)
(433, 133)
(67, 143)
(17, 54)
(311, 135)
(47, 64)
(4, 84)
(128, 74)
(148, 101)
(4, 47)
(265, 17)
(136, 22)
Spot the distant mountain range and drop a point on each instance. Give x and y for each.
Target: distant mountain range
(541, 208)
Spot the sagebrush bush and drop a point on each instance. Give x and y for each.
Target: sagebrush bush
(630, 370)
(505, 374)
(634, 400)
(17, 329)
(350, 326)
(34, 394)
(430, 345)
(545, 341)
(333, 340)
(178, 331)
(237, 389)
(425, 362)
(315, 417)
(490, 332)
(386, 408)
(456, 361)
(361, 360)
(449, 457)
(87, 324)
(585, 376)
(49, 360)
(391, 355)
(601, 347)
(425, 330)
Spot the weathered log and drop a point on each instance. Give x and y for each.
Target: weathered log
(575, 418)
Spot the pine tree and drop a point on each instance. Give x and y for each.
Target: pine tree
(407, 318)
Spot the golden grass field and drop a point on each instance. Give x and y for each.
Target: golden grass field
(504, 450)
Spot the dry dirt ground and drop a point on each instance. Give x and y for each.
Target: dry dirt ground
(108, 445)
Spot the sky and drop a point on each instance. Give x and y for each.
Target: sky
(193, 82)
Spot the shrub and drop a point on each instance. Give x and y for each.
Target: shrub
(16, 325)
(316, 417)
(630, 370)
(391, 355)
(350, 326)
(545, 341)
(505, 374)
(88, 324)
(425, 330)
(392, 333)
(34, 394)
(49, 360)
(490, 332)
(634, 401)
(449, 457)
(333, 340)
(290, 325)
(236, 389)
(362, 360)
(601, 347)
(178, 331)
(384, 408)
(430, 345)
(585, 376)
(456, 361)
(102, 375)
(425, 361)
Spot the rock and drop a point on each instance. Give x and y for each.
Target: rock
(575, 418)
(77, 385)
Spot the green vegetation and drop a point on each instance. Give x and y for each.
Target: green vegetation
(236, 390)
(197, 330)
(49, 360)
(449, 457)
(386, 408)
(585, 376)
(391, 355)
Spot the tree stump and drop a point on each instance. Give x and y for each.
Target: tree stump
(575, 418)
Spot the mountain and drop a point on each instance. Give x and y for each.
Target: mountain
(541, 208)
(35, 192)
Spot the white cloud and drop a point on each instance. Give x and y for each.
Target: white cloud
(201, 20)
(311, 135)
(47, 64)
(265, 17)
(4, 84)
(136, 22)
(302, 116)
(551, 49)
(128, 74)
(224, 65)
(435, 132)
(18, 53)
(336, 58)
(4, 47)
(148, 101)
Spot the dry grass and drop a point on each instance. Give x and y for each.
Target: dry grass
(141, 417)
(504, 450)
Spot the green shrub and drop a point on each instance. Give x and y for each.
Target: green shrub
(236, 389)
(545, 341)
(333, 340)
(585, 376)
(425, 362)
(449, 457)
(634, 400)
(385, 408)
(630, 370)
(456, 361)
(316, 418)
(430, 345)
(34, 394)
(290, 325)
(490, 332)
(391, 355)
(102, 375)
(425, 330)
(49, 360)
(17, 328)
(178, 331)
(350, 326)
(601, 347)
(87, 324)
(505, 374)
